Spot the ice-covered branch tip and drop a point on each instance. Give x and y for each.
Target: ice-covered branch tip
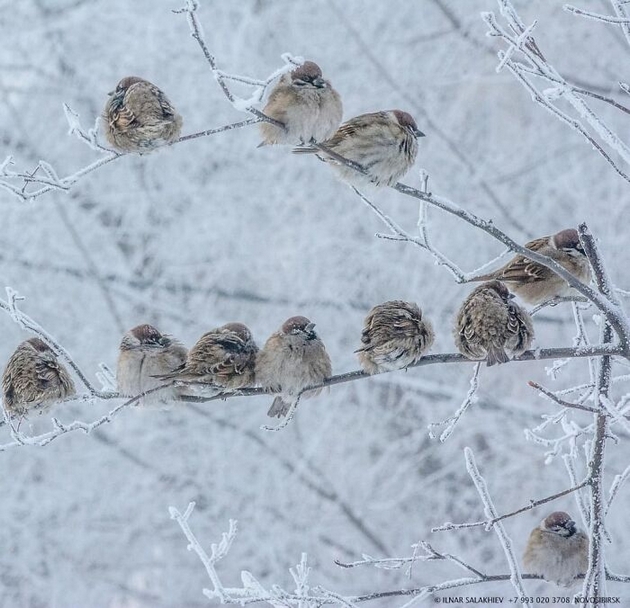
(530, 355)
(422, 241)
(519, 40)
(20, 439)
(242, 105)
(491, 513)
(488, 523)
(451, 421)
(218, 551)
(395, 563)
(10, 306)
(253, 591)
(46, 176)
(611, 309)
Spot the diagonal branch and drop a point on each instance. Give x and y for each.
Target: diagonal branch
(488, 523)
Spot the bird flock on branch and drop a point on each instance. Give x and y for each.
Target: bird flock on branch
(304, 111)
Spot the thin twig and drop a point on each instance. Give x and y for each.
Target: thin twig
(488, 523)
(530, 355)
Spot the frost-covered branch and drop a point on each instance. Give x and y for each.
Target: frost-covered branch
(451, 421)
(422, 241)
(553, 397)
(491, 512)
(252, 590)
(611, 309)
(24, 321)
(488, 523)
(240, 104)
(50, 180)
(595, 580)
(60, 428)
(395, 563)
(621, 18)
(519, 41)
(530, 355)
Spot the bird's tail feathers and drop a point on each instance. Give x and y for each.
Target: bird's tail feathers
(482, 277)
(279, 408)
(496, 355)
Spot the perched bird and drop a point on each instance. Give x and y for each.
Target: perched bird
(34, 379)
(293, 358)
(556, 550)
(224, 357)
(536, 283)
(144, 354)
(306, 104)
(139, 117)
(395, 336)
(490, 326)
(383, 143)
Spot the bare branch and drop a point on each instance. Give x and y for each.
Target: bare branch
(559, 401)
(20, 439)
(422, 241)
(488, 523)
(242, 105)
(530, 355)
(596, 16)
(24, 321)
(452, 420)
(522, 42)
(490, 510)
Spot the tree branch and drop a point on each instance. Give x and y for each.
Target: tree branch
(488, 523)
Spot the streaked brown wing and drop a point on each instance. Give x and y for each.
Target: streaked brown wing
(524, 270)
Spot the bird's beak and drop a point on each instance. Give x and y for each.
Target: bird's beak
(320, 83)
(309, 328)
(111, 93)
(511, 296)
(419, 133)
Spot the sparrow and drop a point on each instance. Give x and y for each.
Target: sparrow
(383, 143)
(34, 379)
(490, 326)
(145, 353)
(224, 357)
(293, 358)
(535, 283)
(306, 104)
(139, 117)
(556, 550)
(395, 336)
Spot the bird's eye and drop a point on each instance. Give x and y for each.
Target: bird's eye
(300, 83)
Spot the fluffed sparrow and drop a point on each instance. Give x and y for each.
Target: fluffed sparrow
(34, 379)
(224, 357)
(395, 336)
(306, 104)
(139, 117)
(535, 283)
(490, 326)
(293, 358)
(556, 550)
(144, 354)
(383, 143)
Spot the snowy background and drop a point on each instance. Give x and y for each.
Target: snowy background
(215, 230)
